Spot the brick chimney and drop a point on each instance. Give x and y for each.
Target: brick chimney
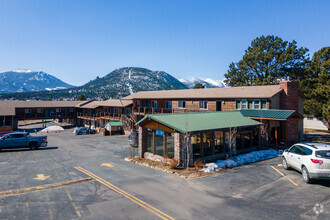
(290, 95)
(289, 100)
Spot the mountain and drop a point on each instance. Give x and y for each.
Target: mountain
(207, 82)
(28, 80)
(119, 83)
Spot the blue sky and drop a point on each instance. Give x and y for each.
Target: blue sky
(78, 40)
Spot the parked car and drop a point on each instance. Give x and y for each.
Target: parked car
(22, 140)
(84, 130)
(133, 139)
(311, 159)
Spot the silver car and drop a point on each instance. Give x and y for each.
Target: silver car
(311, 159)
(84, 130)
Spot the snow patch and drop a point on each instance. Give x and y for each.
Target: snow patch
(52, 128)
(22, 71)
(241, 160)
(56, 88)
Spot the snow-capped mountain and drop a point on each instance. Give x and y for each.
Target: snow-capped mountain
(119, 83)
(28, 81)
(207, 82)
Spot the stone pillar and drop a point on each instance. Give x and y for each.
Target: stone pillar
(177, 147)
(142, 141)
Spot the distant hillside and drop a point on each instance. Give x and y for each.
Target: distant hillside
(207, 82)
(28, 81)
(120, 82)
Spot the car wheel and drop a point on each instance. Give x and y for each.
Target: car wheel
(79, 133)
(285, 164)
(305, 175)
(33, 146)
(93, 132)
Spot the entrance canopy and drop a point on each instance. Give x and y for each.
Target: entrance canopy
(197, 122)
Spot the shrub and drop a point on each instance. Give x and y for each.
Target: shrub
(173, 163)
(199, 164)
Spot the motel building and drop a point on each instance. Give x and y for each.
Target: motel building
(171, 121)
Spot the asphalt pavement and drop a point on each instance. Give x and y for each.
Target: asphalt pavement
(85, 177)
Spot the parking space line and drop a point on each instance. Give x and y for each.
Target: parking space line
(72, 203)
(145, 205)
(51, 216)
(284, 176)
(293, 182)
(278, 171)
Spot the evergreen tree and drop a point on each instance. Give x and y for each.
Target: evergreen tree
(267, 60)
(199, 86)
(316, 88)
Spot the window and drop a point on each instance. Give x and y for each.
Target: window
(116, 110)
(264, 104)
(238, 104)
(58, 110)
(28, 111)
(244, 104)
(203, 105)
(168, 105)
(250, 104)
(17, 135)
(153, 104)
(142, 104)
(128, 111)
(306, 151)
(40, 110)
(137, 104)
(256, 104)
(72, 109)
(182, 104)
(105, 110)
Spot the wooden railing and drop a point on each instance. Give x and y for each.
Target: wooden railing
(146, 110)
(102, 115)
(46, 116)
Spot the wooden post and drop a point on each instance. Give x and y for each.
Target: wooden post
(162, 110)
(285, 131)
(144, 110)
(165, 144)
(276, 134)
(154, 149)
(152, 111)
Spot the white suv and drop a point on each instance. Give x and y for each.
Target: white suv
(311, 159)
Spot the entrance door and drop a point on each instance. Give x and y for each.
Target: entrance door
(219, 107)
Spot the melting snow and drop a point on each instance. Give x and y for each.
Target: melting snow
(241, 160)
(52, 128)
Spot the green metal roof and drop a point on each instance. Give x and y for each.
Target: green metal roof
(114, 123)
(276, 114)
(201, 121)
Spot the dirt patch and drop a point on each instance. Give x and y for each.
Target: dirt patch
(190, 173)
(314, 131)
(312, 135)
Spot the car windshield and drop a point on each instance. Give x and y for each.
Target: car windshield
(323, 153)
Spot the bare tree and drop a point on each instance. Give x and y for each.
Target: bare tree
(263, 132)
(231, 139)
(187, 144)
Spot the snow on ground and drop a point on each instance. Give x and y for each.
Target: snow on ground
(52, 128)
(241, 160)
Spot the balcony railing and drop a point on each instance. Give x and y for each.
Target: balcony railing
(146, 110)
(46, 116)
(102, 115)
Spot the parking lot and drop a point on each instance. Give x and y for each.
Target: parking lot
(86, 177)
